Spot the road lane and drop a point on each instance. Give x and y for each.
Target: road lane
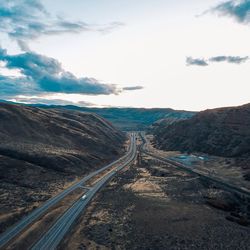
(181, 166)
(52, 238)
(35, 214)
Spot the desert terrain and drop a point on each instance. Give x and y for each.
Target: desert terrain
(152, 205)
(42, 152)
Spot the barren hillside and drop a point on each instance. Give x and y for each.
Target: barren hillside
(129, 119)
(222, 132)
(42, 151)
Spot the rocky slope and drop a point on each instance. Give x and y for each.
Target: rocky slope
(160, 125)
(42, 151)
(222, 132)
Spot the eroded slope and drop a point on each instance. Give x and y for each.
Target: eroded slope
(43, 151)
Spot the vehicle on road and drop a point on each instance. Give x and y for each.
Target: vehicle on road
(84, 197)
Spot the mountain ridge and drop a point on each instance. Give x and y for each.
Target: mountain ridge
(42, 151)
(221, 131)
(128, 119)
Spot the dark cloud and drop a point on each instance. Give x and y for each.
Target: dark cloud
(24, 20)
(239, 10)
(229, 59)
(196, 61)
(45, 74)
(12, 86)
(133, 88)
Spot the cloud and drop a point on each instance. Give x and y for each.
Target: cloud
(24, 20)
(40, 74)
(45, 74)
(204, 62)
(46, 101)
(110, 27)
(239, 10)
(133, 88)
(12, 86)
(196, 61)
(229, 59)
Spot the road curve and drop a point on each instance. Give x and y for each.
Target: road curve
(12, 232)
(52, 238)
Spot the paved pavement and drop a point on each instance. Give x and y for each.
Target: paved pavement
(35, 214)
(52, 238)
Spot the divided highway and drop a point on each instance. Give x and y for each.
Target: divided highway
(52, 238)
(34, 215)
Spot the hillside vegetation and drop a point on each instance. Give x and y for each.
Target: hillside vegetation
(222, 132)
(42, 151)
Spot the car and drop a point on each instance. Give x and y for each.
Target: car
(84, 197)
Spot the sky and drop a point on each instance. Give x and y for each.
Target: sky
(190, 55)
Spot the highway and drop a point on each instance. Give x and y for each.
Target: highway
(35, 214)
(52, 238)
(223, 184)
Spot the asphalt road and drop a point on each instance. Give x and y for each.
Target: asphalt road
(52, 238)
(225, 185)
(35, 214)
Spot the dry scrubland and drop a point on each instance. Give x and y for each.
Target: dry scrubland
(222, 132)
(155, 206)
(43, 151)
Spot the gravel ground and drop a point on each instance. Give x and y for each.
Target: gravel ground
(155, 206)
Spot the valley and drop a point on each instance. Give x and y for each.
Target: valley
(154, 205)
(124, 125)
(44, 152)
(133, 194)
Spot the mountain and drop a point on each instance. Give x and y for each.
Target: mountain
(129, 119)
(222, 132)
(64, 141)
(42, 150)
(161, 124)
